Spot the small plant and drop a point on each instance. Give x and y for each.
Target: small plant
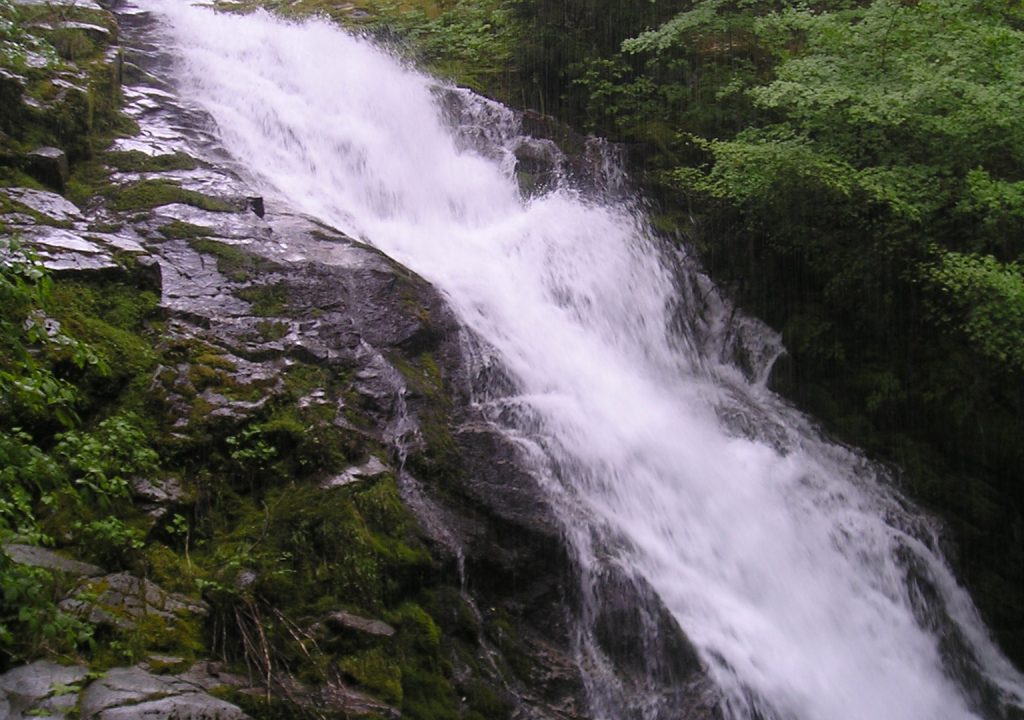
(251, 452)
(110, 541)
(102, 460)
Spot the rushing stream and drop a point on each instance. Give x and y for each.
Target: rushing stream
(809, 588)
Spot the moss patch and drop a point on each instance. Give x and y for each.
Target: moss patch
(266, 300)
(234, 262)
(140, 162)
(176, 229)
(147, 194)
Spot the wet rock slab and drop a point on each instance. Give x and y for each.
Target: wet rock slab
(41, 690)
(132, 693)
(36, 556)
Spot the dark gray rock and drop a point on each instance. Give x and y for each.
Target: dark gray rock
(96, 33)
(41, 557)
(255, 203)
(12, 86)
(341, 620)
(338, 697)
(644, 644)
(162, 491)
(48, 165)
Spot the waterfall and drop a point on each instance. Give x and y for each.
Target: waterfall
(809, 588)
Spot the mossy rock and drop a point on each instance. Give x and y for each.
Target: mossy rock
(176, 229)
(136, 161)
(147, 194)
(235, 263)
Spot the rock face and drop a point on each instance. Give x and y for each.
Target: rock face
(40, 690)
(253, 298)
(123, 600)
(131, 693)
(47, 690)
(41, 557)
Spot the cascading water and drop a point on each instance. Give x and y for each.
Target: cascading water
(808, 588)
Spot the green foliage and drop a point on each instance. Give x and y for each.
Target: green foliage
(30, 341)
(110, 541)
(101, 460)
(54, 475)
(471, 41)
(984, 299)
(853, 172)
(250, 450)
(30, 622)
(28, 474)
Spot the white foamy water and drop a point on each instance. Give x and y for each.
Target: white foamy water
(797, 576)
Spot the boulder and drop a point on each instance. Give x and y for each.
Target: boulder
(41, 557)
(121, 600)
(48, 165)
(160, 491)
(347, 621)
(367, 471)
(132, 693)
(41, 690)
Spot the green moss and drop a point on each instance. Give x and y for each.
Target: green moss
(88, 178)
(266, 300)
(105, 227)
(272, 330)
(376, 673)
(140, 162)
(111, 317)
(438, 461)
(484, 703)
(301, 379)
(154, 193)
(151, 634)
(176, 229)
(427, 694)
(216, 360)
(72, 44)
(169, 569)
(234, 262)
(13, 177)
(204, 376)
(501, 632)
